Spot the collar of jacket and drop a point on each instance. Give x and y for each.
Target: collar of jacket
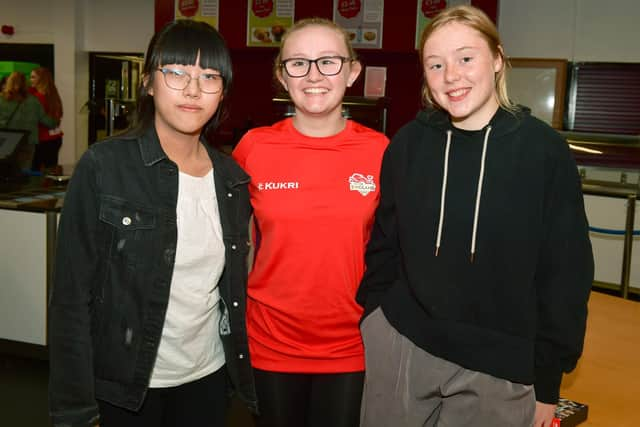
(152, 153)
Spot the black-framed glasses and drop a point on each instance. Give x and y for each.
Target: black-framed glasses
(327, 65)
(180, 79)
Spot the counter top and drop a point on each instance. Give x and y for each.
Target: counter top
(35, 194)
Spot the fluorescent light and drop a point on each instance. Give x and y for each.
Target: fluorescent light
(584, 150)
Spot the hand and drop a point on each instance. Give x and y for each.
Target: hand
(544, 414)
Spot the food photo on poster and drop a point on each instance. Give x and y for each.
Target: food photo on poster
(267, 21)
(362, 19)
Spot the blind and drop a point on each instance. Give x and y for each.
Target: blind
(604, 97)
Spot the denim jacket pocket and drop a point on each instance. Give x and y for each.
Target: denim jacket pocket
(131, 227)
(125, 215)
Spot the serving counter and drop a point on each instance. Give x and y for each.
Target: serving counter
(610, 170)
(29, 212)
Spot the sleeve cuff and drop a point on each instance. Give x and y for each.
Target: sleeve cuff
(81, 418)
(547, 386)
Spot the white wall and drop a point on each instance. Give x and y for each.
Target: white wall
(75, 28)
(118, 25)
(577, 30)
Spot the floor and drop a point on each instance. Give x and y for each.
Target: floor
(23, 392)
(23, 395)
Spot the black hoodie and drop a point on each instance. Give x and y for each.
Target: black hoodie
(480, 251)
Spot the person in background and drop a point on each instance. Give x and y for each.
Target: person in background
(146, 312)
(479, 265)
(314, 189)
(49, 140)
(21, 110)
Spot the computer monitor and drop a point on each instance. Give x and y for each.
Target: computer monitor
(10, 140)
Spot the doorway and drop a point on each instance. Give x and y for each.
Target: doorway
(113, 83)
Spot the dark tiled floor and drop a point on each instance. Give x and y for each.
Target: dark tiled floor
(23, 392)
(23, 395)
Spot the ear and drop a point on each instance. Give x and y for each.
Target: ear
(354, 72)
(145, 83)
(282, 80)
(498, 61)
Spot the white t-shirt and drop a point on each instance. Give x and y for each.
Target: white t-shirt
(190, 347)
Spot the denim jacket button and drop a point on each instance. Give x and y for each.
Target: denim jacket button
(235, 303)
(126, 221)
(233, 247)
(229, 195)
(241, 356)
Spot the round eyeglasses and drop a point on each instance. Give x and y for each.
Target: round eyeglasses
(327, 65)
(180, 79)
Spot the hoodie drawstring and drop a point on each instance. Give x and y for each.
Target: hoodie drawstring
(443, 193)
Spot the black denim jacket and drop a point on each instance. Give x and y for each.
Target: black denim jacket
(115, 256)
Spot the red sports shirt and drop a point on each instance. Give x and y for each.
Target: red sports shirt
(314, 201)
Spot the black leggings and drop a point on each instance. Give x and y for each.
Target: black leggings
(308, 400)
(202, 402)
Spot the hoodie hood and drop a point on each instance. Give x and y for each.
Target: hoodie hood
(502, 122)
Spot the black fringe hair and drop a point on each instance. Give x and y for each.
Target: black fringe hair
(180, 42)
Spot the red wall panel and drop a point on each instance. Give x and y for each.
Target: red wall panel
(250, 101)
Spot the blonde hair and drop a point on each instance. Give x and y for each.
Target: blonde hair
(15, 88)
(308, 22)
(479, 21)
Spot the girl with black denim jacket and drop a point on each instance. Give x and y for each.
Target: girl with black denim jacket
(146, 313)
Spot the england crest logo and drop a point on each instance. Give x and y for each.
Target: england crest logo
(362, 184)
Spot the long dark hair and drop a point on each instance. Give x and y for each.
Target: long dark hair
(47, 87)
(179, 42)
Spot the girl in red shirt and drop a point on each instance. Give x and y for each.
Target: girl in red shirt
(49, 140)
(314, 191)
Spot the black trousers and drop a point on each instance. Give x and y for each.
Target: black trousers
(203, 402)
(308, 400)
(46, 154)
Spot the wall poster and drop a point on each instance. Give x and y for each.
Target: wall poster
(199, 10)
(267, 20)
(427, 9)
(362, 19)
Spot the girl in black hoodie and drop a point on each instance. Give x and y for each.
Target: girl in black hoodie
(479, 264)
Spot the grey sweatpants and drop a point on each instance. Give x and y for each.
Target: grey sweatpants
(407, 387)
